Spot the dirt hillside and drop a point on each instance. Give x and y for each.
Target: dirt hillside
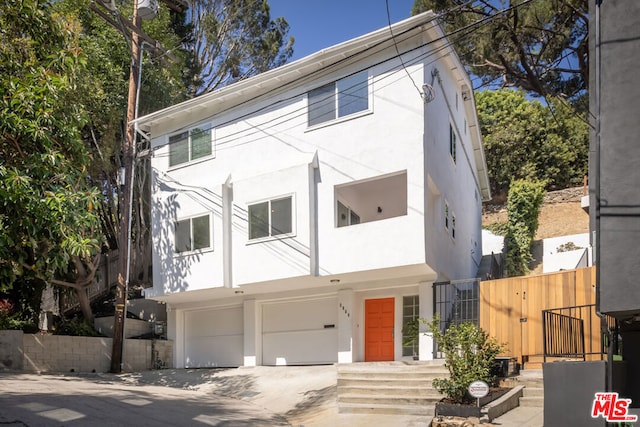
(560, 214)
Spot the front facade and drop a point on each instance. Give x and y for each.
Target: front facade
(301, 216)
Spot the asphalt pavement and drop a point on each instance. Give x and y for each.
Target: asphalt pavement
(259, 396)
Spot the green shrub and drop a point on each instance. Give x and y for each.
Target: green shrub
(10, 319)
(498, 228)
(75, 327)
(523, 208)
(469, 356)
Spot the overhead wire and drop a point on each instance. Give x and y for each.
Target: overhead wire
(464, 31)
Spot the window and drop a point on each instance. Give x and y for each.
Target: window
(271, 218)
(190, 145)
(452, 143)
(192, 234)
(446, 215)
(410, 325)
(346, 216)
(453, 226)
(338, 99)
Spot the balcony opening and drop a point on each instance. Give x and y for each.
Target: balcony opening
(372, 199)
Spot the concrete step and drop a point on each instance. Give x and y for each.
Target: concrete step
(356, 408)
(533, 391)
(389, 399)
(389, 387)
(403, 368)
(381, 382)
(532, 401)
(386, 390)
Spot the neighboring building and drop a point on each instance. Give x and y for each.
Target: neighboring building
(301, 216)
(614, 175)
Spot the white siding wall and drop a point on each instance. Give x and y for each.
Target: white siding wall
(267, 154)
(455, 182)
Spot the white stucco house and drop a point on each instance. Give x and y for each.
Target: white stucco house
(301, 216)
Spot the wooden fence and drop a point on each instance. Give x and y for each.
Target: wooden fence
(511, 309)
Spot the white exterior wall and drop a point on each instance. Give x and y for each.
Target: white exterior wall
(267, 155)
(289, 291)
(449, 182)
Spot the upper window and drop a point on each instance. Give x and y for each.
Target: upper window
(190, 145)
(452, 143)
(339, 99)
(271, 218)
(193, 234)
(446, 215)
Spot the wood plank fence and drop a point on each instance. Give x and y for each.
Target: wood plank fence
(511, 310)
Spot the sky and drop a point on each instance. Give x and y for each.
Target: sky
(316, 24)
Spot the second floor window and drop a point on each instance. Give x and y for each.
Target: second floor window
(193, 234)
(452, 143)
(339, 99)
(190, 145)
(271, 218)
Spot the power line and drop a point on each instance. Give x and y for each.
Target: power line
(464, 32)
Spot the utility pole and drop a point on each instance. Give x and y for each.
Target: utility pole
(107, 10)
(126, 200)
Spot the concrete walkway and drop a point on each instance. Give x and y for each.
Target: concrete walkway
(260, 396)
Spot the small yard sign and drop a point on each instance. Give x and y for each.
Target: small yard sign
(478, 389)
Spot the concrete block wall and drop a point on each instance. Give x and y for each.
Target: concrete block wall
(11, 350)
(132, 327)
(60, 353)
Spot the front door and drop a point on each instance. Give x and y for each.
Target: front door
(378, 333)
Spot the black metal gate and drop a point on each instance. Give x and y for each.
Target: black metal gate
(456, 302)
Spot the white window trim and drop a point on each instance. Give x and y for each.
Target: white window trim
(199, 159)
(177, 254)
(294, 230)
(447, 216)
(337, 220)
(346, 118)
(453, 153)
(453, 226)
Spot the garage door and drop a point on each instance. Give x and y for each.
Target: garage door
(300, 333)
(213, 338)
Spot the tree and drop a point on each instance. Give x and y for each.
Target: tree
(48, 224)
(540, 47)
(524, 139)
(232, 40)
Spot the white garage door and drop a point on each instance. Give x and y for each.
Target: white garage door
(213, 338)
(300, 333)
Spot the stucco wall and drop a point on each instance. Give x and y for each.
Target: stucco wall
(60, 353)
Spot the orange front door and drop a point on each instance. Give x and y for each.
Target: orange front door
(378, 332)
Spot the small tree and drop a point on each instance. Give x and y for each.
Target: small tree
(469, 356)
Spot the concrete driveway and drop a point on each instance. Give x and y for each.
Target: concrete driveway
(109, 400)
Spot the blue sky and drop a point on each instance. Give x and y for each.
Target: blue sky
(320, 24)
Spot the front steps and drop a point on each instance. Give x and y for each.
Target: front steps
(533, 392)
(399, 388)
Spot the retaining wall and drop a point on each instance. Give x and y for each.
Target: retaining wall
(61, 353)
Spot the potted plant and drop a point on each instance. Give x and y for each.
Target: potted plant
(410, 334)
(469, 356)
